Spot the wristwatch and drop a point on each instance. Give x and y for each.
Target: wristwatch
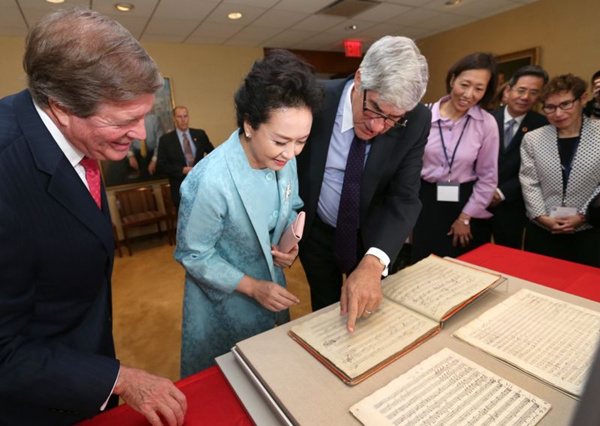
(464, 221)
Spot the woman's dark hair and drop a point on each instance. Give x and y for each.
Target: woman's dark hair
(279, 80)
(564, 83)
(476, 61)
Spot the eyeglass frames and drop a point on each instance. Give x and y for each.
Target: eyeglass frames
(374, 115)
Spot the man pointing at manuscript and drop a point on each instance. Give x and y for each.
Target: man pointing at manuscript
(359, 176)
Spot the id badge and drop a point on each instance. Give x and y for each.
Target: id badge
(448, 191)
(562, 211)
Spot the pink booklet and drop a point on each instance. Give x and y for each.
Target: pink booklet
(292, 235)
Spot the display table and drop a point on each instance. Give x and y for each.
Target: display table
(211, 401)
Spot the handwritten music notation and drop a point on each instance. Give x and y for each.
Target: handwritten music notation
(448, 389)
(434, 286)
(546, 337)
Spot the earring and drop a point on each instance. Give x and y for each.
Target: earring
(248, 135)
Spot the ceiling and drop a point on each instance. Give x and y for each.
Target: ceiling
(291, 24)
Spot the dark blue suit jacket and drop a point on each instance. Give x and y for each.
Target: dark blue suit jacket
(389, 191)
(509, 160)
(57, 362)
(171, 159)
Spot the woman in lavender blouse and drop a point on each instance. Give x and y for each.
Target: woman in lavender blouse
(460, 163)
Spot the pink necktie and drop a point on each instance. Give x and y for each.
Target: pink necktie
(92, 175)
(187, 150)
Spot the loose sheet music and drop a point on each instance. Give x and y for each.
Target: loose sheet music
(449, 390)
(435, 286)
(548, 338)
(375, 339)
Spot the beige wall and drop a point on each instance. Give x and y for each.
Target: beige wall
(12, 76)
(566, 31)
(204, 79)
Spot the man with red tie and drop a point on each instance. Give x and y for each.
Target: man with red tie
(180, 150)
(90, 84)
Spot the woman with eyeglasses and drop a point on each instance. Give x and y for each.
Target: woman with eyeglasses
(235, 205)
(460, 164)
(560, 175)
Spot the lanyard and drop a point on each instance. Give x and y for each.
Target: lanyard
(566, 169)
(451, 161)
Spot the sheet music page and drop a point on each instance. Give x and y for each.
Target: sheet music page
(434, 286)
(546, 337)
(386, 332)
(447, 389)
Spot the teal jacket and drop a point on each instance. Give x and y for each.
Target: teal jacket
(220, 238)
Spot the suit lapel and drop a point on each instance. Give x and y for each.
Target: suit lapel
(64, 184)
(197, 143)
(321, 135)
(382, 147)
(178, 151)
(239, 168)
(524, 127)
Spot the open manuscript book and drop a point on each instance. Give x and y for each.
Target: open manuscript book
(417, 300)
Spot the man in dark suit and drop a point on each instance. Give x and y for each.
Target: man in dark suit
(180, 150)
(57, 358)
(514, 120)
(360, 174)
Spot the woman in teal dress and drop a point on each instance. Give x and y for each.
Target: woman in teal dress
(235, 204)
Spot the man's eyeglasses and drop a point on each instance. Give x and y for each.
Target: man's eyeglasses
(374, 115)
(565, 106)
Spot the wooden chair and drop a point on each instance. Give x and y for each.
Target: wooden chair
(170, 209)
(138, 207)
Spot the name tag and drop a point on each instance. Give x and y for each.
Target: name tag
(448, 191)
(561, 211)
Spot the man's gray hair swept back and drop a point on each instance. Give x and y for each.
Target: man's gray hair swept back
(394, 68)
(81, 58)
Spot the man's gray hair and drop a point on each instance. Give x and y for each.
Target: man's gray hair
(80, 58)
(394, 68)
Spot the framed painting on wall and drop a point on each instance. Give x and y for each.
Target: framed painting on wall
(140, 164)
(511, 62)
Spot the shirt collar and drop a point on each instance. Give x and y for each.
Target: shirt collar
(180, 133)
(475, 112)
(73, 154)
(347, 116)
(508, 117)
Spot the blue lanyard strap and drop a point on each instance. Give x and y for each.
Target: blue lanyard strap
(451, 161)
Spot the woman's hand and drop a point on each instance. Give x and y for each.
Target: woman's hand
(568, 224)
(270, 295)
(284, 260)
(461, 232)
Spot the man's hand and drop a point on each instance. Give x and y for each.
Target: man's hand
(133, 163)
(152, 166)
(151, 395)
(284, 260)
(270, 295)
(186, 170)
(496, 199)
(361, 292)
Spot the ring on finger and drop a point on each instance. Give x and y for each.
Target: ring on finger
(368, 312)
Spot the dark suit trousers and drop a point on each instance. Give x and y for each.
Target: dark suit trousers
(507, 225)
(436, 218)
(580, 247)
(319, 262)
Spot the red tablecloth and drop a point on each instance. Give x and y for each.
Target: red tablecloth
(211, 401)
(569, 277)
